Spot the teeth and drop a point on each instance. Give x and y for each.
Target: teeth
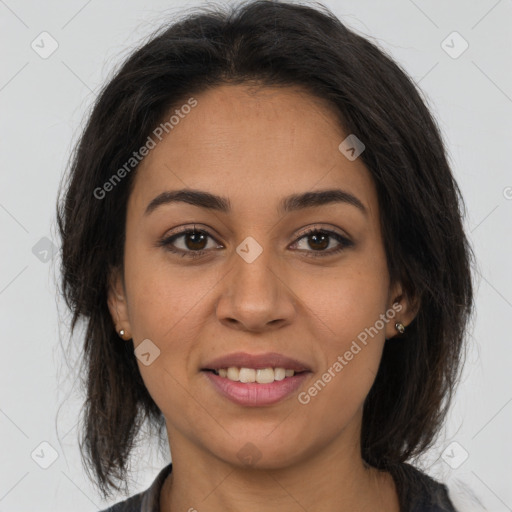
(265, 375)
(247, 375)
(280, 373)
(260, 375)
(233, 373)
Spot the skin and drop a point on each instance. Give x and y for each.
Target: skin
(256, 146)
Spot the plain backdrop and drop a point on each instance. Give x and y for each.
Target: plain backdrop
(44, 99)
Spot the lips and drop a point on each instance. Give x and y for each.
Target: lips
(256, 361)
(254, 394)
(256, 380)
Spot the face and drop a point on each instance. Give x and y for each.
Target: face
(301, 279)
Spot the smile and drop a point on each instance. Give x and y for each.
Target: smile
(247, 391)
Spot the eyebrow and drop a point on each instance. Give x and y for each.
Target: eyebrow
(288, 204)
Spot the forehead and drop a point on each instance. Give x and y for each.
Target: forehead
(255, 145)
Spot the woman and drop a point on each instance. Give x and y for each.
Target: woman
(265, 239)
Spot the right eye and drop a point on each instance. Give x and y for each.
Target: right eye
(192, 241)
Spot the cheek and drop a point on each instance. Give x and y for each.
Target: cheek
(350, 356)
(167, 306)
(347, 311)
(166, 314)
(164, 295)
(348, 300)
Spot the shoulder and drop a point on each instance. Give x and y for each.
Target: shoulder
(419, 492)
(132, 504)
(146, 501)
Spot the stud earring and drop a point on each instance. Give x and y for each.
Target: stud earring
(122, 334)
(400, 327)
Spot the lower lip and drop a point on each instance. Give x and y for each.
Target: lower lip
(252, 394)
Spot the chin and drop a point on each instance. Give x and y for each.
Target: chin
(261, 450)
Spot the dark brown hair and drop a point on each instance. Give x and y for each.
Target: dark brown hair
(276, 44)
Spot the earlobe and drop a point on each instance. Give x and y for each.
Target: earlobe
(117, 304)
(405, 309)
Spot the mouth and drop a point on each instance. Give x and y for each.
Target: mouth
(256, 380)
(249, 393)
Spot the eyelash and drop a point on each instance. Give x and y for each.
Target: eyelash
(168, 241)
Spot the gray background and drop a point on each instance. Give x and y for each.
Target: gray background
(43, 103)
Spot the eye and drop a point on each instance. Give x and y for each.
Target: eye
(193, 242)
(320, 239)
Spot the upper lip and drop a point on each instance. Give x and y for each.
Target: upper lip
(266, 360)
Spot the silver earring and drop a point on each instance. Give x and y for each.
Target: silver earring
(121, 333)
(400, 327)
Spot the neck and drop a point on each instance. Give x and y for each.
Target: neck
(334, 478)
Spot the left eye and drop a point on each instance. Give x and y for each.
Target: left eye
(193, 242)
(320, 239)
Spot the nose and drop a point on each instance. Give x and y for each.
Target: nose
(255, 295)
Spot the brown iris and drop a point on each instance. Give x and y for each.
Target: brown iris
(317, 245)
(196, 237)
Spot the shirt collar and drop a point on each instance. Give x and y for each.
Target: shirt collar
(151, 497)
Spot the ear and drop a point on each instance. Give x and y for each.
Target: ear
(405, 309)
(117, 303)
